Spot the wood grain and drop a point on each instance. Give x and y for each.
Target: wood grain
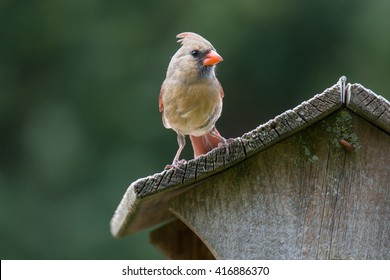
(303, 198)
(145, 202)
(289, 176)
(372, 107)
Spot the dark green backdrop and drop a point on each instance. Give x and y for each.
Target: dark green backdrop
(79, 84)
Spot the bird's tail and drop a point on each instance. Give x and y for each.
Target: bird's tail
(205, 143)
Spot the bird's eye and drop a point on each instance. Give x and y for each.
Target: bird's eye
(195, 53)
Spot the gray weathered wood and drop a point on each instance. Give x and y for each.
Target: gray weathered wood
(145, 202)
(303, 198)
(372, 107)
(312, 183)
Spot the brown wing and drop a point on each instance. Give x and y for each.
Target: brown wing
(160, 102)
(161, 106)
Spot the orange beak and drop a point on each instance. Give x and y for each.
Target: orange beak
(212, 58)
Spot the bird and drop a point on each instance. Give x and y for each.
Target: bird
(190, 99)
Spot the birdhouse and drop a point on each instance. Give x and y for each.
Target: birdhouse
(312, 183)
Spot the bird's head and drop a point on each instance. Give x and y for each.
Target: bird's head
(195, 59)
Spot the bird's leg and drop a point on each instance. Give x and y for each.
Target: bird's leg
(224, 142)
(181, 140)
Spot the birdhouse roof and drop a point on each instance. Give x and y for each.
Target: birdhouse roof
(146, 201)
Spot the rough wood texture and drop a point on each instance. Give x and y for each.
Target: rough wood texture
(313, 183)
(145, 202)
(372, 107)
(303, 198)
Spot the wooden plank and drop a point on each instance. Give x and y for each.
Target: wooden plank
(148, 196)
(133, 214)
(372, 107)
(303, 198)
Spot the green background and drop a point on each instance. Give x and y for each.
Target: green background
(79, 86)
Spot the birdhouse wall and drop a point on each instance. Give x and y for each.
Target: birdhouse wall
(306, 197)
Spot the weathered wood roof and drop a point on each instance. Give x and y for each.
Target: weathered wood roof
(145, 202)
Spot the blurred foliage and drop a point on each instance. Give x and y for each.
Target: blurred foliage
(79, 83)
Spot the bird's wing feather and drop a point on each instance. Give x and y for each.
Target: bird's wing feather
(161, 106)
(160, 102)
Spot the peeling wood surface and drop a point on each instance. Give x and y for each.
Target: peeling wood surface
(146, 201)
(304, 198)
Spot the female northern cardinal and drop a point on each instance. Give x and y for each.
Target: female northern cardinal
(191, 96)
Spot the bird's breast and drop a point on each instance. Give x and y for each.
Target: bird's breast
(192, 109)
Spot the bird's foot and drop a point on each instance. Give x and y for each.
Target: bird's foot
(176, 164)
(225, 144)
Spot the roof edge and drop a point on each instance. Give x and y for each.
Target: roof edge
(370, 106)
(144, 193)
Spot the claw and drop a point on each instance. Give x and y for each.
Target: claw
(176, 164)
(181, 140)
(225, 144)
